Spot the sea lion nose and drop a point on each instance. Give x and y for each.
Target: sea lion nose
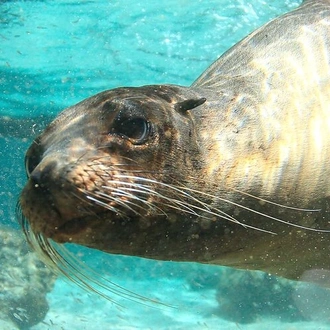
(42, 174)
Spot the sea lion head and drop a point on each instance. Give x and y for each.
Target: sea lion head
(99, 175)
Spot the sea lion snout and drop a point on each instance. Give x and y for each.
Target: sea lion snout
(40, 177)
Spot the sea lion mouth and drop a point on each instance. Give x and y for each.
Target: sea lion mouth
(82, 230)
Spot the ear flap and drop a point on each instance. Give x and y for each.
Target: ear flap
(184, 106)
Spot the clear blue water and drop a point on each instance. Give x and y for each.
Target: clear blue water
(55, 53)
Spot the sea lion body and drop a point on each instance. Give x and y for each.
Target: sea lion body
(215, 172)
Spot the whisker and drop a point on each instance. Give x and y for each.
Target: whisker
(94, 197)
(89, 195)
(129, 199)
(276, 204)
(190, 207)
(151, 206)
(148, 192)
(103, 204)
(63, 262)
(184, 190)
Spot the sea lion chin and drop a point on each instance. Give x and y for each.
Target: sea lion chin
(231, 170)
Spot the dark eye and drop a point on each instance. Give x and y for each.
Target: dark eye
(136, 129)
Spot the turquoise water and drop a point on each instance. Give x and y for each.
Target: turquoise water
(55, 53)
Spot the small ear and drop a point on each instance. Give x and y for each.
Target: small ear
(186, 105)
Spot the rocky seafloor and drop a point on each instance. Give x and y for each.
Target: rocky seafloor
(24, 283)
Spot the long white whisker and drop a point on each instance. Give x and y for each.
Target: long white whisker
(148, 191)
(190, 207)
(129, 198)
(105, 205)
(64, 262)
(276, 204)
(183, 191)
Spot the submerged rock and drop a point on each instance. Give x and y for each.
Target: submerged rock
(24, 281)
(246, 296)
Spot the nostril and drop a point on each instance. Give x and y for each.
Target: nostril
(33, 157)
(31, 162)
(41, 175)
(35, 176)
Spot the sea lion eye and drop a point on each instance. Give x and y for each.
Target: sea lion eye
(136, 129)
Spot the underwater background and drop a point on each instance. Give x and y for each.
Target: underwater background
(56, 53)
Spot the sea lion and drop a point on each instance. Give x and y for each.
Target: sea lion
(232, 170)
